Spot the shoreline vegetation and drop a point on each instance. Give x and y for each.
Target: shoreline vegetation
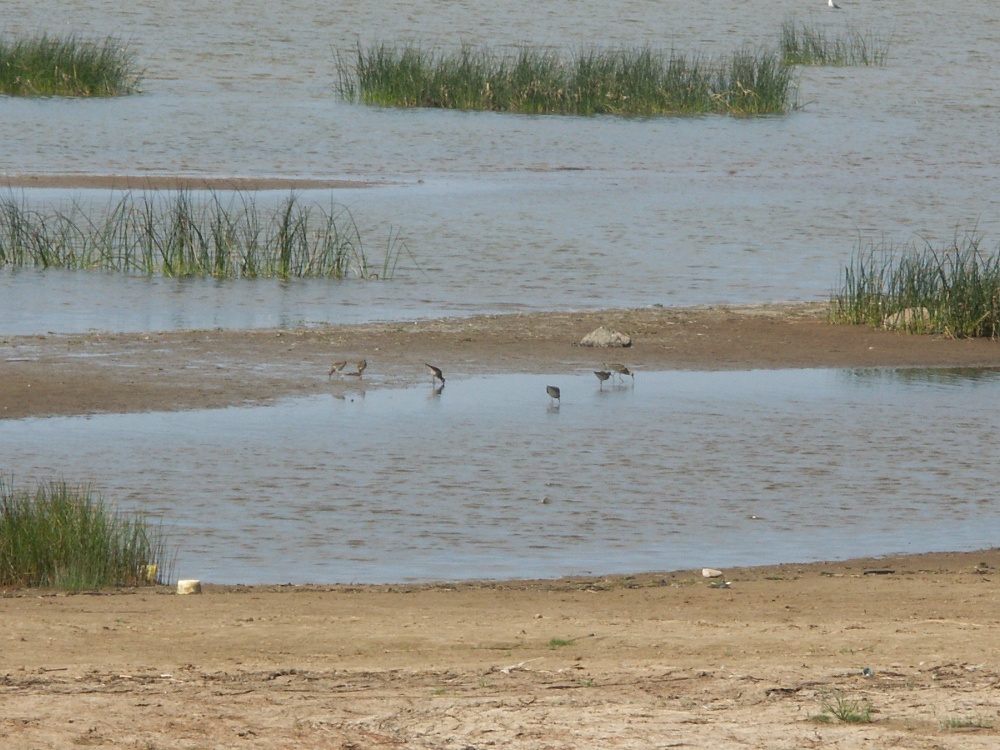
(804, 44)
(177, 234)
(46, 66)
(67, 537)
(952, 290)
(629, 81)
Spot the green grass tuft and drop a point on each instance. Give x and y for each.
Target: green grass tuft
(561, 642)
(173, 234)
(848, 710)
(966, 722)
(809, 45)
(67, 66)
(66, 537)
(953, 290)
(628, 81)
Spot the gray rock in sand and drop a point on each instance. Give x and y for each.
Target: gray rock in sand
(607, 338)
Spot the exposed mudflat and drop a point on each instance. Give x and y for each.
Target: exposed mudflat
(118, 372)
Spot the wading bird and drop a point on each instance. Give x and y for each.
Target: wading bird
(622, 371)
(833, 5)
(435, 373)
(602, 375)
(337, 367)
(553, 393)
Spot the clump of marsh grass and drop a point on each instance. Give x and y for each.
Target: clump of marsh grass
(953, 290)
(173, 234)
(628, 81)
(802, 44)
(67, 537)
(44, 65)
(966, 722)
(836, 705)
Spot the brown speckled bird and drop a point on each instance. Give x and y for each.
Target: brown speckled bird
(622, 370)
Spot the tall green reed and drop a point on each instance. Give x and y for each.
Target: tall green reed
(67, 537)
(45, 65)
(954, 290)
(802, 44)
(638, 81)
(175, 234)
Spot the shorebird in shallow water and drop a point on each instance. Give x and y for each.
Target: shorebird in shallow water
(621, 370)
(553, 393)
(361, 367)
(337, 367)
(602, 375)
(436, 373)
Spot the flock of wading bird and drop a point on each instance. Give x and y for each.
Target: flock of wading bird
(617, 369)
(554, 393)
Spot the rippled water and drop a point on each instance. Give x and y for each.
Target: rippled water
(519, 213)
(489, 480)
(671, 211)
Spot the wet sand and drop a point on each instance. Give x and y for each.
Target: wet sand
(173, 182)
(113, 372)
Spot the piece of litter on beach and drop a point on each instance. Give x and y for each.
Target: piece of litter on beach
(519, 665)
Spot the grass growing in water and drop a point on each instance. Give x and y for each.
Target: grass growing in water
(174, 235)
(953, 290)
(809, 45)
(66, 537)
(66, 66)
(639, 81)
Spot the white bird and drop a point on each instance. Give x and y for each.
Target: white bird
(833, 5)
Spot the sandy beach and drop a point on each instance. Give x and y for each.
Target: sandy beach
(650, 661)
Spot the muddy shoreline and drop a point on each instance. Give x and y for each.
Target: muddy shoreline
(60, 375)
(140, 182)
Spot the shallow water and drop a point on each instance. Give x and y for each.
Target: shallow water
(673, 211)
(488, 479)
(508, 213)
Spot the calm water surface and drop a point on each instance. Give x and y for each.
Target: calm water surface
(488, 480)
(507, 213)
(673, 211)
